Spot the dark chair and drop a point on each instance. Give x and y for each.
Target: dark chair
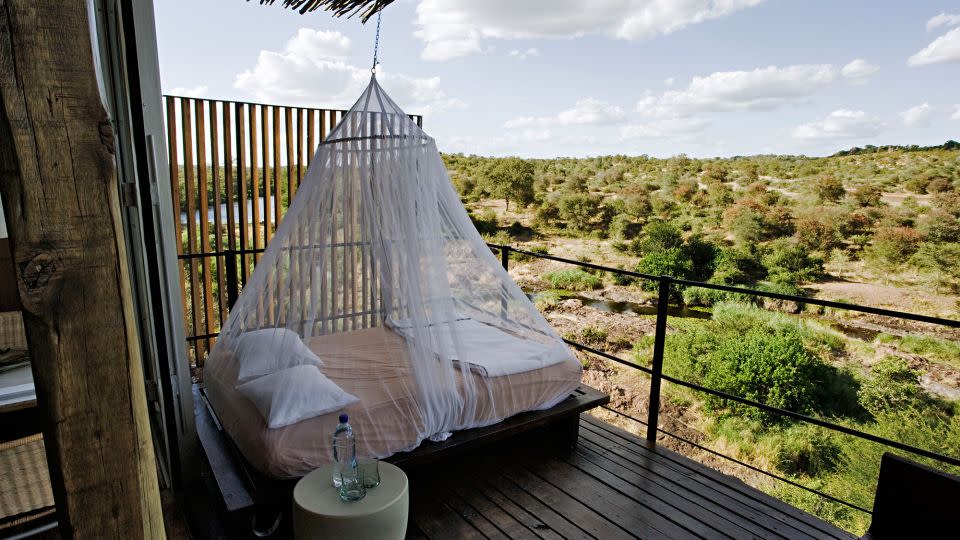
(914, 501)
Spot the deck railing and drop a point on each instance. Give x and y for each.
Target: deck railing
(657, 376)
(234, 165)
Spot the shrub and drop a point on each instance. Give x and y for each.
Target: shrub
(808, 450)
(892, 385)
(593, 336)
(790, 263)
(771, 366)
(486, 223)
(621, 279)
(894, 245)
(583, 212)
(829, 188)
(573, 279)
(623, 227)
(657, 236)
(868, 195)
(738, 266)
(673, 262)
(815, 234)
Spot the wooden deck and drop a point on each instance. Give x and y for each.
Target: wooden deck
(611, 485)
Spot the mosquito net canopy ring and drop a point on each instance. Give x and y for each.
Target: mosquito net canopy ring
(378, 297)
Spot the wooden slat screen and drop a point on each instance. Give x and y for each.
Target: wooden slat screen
(234, 169)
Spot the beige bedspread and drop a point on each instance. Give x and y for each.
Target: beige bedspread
(370, 364)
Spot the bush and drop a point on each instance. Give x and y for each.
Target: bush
(673, 262)
(830, 188)
(808, 450)
(623, 227)
(583, 212)
(893, 246)
(593, 336)
(573, 279)
(791, 263)
(892, 386)
(486, 223)
(738, 266)
(771, 366)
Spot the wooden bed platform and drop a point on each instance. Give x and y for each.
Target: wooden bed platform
(254, 502)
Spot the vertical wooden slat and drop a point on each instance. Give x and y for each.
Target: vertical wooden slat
(200, 107)
(228, 179)
(218, 242)
(300, 132)
(242, 189)
(277, 184)
(175, 193)
(291, 177)
(254, 180)
(267, 191)
(311, 147)
(190, 188)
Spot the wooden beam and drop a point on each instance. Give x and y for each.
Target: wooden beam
(58, 180)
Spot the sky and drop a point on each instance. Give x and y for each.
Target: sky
(549, 78)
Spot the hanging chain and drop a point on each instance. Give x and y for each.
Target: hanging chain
(376, 45)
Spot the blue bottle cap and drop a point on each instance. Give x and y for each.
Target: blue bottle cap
(343, 419)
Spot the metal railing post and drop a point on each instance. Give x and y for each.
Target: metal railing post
(656, 375)
(231, 274)
(505, 261)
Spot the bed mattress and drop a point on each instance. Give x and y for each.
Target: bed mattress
(372, 365)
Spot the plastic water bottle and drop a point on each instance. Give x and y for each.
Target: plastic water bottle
(344, 449)
(346, 477)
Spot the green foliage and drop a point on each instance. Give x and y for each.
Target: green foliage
(486, 223)
(510, 179)
(892, 385)
(791, 263)
(893, 246)
(807, 450)
(573, 279)
(593, 336)
(583, 212)
(829, 188)
(759, 355)
(624, 227)
(738, 266)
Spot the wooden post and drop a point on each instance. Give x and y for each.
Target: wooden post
(58, 181)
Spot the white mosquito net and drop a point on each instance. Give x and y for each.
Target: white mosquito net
(377, 297)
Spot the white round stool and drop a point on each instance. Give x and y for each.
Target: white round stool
(318, 511)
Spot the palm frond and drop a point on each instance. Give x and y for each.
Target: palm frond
(339, 8)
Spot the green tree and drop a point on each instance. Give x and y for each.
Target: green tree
(581, 211)
(510, 179)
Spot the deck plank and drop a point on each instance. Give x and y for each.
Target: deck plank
(704, 477)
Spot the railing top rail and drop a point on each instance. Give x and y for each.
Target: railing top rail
(950, 323)
(241, 102)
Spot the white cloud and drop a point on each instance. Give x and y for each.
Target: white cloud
(918, 116)
(668, 81)
(523, 55)
(840, 124)
(859, 69)
(196, 91)
(943, 19)
(585, 111)
(956, 112)
(665, 128)
(760, 89)
(313, 70)
(453, 28)
(945, 48)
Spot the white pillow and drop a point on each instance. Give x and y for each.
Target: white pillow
(294, 394)
(266, 351)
